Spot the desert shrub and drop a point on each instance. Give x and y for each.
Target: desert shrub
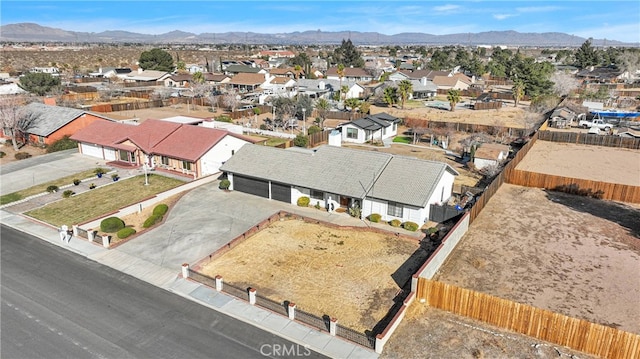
(125, 232)
(153, 219)
(65, 143)
(22, 155)
(395, 223)
(224, 118)
(375, 217)
(68, 193)
(355, 212)
(263, 127)
(8, 142)
(52, 189)
(111, 224)
(99, 171)
(224, 184)
(313, 130)
(301, 141)
(161, 209)
(76, 181)
(303, 201)
(410, 226)
(317, 205)
(2, 154)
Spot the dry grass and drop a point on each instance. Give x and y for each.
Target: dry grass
(345, 274)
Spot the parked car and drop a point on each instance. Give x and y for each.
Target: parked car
(600, 124)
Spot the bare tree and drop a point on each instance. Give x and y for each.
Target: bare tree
(15, 119)
(564, 83)
(491, 170)
(229, 101)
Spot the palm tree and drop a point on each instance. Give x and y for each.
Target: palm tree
(390, 96)
(405, 89)
(453, 96)
(322, 106)
(340, 72)
(343, 92)
(353, 104)
(517, 91)
(198, 78)
(297, 70)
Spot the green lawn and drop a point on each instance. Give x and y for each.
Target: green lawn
(402, 139)
(100, 201)
(16, 196)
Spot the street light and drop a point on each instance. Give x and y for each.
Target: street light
(146, 176)
(274, 118)
(304, 121)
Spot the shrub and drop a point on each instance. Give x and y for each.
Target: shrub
(301, 141)
(76, 181)
(92, 186)
(125, 232)
(263, 127)
(224, 184)
(395, 223)
(111, 224)
(22, 155)
(153, 219)
(317, 205)
(313, 130)
(2, 154)
(65, 143)
(224, 118)
(52, 189)
(99, 171)
(161, 209)
(410, 226)
(115, 177)
(375, 217)
(68, 193)
(8, 142)
(355, 212)
(303, 201)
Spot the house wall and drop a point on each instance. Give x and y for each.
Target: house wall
(409, 213)
(442, 192)
(68, 129)
(481, 163)
(221, 152)
(361, 134)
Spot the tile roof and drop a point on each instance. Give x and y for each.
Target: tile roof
(103, 133)
(247, 79)
(189, 142)
(343, 171)
(151, 132)
(348, 72)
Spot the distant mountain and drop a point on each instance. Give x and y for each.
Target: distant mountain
(29, 32)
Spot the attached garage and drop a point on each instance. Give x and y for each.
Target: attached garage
(91, 150)
(281, 192)
(109, 154)
(251, 185)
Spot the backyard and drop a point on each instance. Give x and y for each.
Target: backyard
(346, 274)
(568, 254)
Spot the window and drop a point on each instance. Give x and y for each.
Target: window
(164, 160)
(319, 195)
(186, 165)
(124, 155)
(394, 209)
(40, 139)
(352, 133)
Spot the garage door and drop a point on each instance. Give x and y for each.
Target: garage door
(109, 154)
(281, 192)
(91, 150)
(251, 185)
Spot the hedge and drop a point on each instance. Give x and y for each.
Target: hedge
(125, 232)
(153, 219)
(375, 217)
(395, 223)
(22, 155)
(111, 224)
(303, 201)
(410, 226)
(161, 209)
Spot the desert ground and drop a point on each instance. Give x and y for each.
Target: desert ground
(573, 255)
(350, 275)
(428, 332)
(597, 163)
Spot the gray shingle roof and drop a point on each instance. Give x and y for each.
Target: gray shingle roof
(47, 119)
(343, 171)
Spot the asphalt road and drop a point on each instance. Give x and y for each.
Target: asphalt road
(56, 304)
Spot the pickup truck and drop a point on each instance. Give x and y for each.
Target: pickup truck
(600, 124)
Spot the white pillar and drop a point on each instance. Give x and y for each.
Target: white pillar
(185, 270)
(219, 283)
(90, 236)
(379, 344)
(75, 230)
(291, 311)
(414, 283)
(64, 232)
(333, 326)
(105, 241)
(252, 296)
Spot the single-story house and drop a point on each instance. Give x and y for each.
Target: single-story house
(370, 128)
(146, 76)
(490, 154)
(350, 74)
(45, 124)
(192, 150)
(396, 187)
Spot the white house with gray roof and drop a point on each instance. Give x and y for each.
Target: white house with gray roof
(396, 187)
(372, 128)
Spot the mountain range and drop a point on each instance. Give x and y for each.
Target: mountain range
(30, 32)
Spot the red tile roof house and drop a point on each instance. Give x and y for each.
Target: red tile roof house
(49, 123)
(191, 150)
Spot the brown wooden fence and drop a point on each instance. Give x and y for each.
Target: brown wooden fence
(609, 191)
(543, 324)
(589, 139)
(494, 105)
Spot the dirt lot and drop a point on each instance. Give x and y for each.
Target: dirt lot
(433, 333)
(10, 153)
(573, 255)
(135, 220)
(349, 275)
(598, 163)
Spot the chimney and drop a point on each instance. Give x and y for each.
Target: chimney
(51, 101)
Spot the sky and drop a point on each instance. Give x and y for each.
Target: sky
(611, 20)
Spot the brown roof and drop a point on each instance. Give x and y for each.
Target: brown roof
(348, 72)
(150, 132)
(215, 77)
(247, 79)
(491, 150)
(280, 80)
(446, 80)
(429, 74)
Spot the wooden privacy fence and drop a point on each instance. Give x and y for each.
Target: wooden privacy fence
(609, 191)
(589, 139)
(542, 324)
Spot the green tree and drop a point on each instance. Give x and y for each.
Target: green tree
(322, 108)
(313, 130)
(405, 89)
(439, 60)
(453, 96)
(156, 59)
(586, 55)
(348, 55)
(340, 72)
(39, 83)
(181, 66)
(390, 96)
(198, 78)
(365, 107)
(352, 104)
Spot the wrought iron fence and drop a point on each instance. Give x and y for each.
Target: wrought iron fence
(204, 279)
(82, 233)
(355, 336)
(271, 305)
(235, 291)
(312, 320)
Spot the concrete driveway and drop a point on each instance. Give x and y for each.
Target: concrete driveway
(41, 169)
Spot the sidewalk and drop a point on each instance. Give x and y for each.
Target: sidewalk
(171, 280)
